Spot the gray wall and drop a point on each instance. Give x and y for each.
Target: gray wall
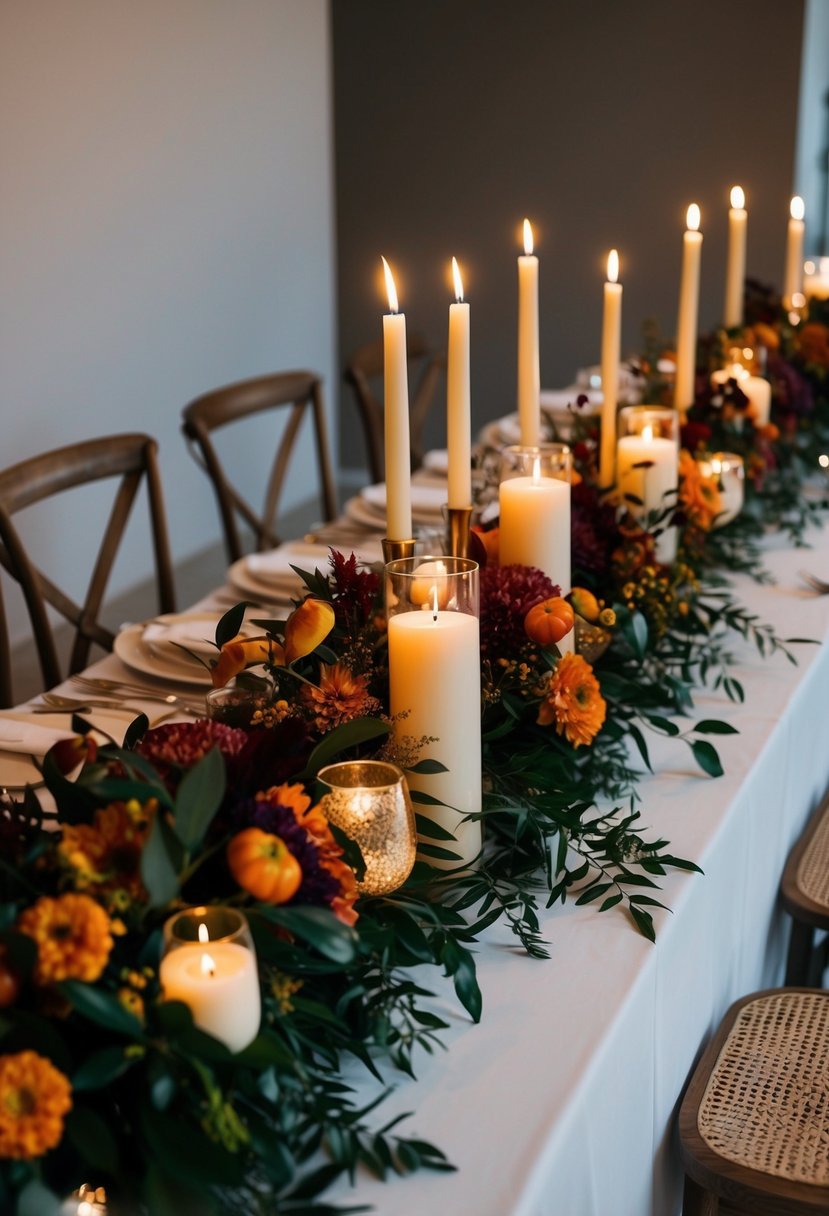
(812, 172)
(601, 121)
(167, 227)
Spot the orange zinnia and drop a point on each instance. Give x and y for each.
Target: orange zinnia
(573, 701)
(73, 938)
(34, 1097)
(106, 853)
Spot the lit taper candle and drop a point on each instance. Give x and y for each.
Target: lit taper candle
(458, 400)
(793, 284)
(736, 265)
(396, 418)
(611, 344)
(686, 327)
(529, 373)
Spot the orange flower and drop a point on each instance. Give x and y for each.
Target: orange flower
(107, 853)
(235, 656)
(699, 496)
(573, 701)
(770, 432)
(34, 1097)
(340, 697)
(73, 938)
(306, 627)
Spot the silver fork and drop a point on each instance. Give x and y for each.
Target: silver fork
(814, 583)
(100, 685)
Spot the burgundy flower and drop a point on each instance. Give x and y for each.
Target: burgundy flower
(594, 534)
(695, 435)
(355, 592)
(507, 595)
(792, 393)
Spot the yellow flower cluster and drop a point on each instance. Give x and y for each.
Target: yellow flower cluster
(34, 1098)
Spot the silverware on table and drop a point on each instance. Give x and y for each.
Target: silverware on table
(98, 684)
(56, 703)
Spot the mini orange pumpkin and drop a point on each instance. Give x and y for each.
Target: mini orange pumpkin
(262, 865)
(548, 622)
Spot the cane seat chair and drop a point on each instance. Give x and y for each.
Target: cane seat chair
(131, 458)
(365, 370)
(754, 1121)
(296, 391)
(804, 890)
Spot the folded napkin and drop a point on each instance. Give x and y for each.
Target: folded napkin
(425, 499)
(29, 738)
(275, 566)
(437, 460)
(194, 635)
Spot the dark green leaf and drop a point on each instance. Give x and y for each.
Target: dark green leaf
(101, 1007)
(230, 625)
(707, 758)
(350, 734)
(713, 726)
(136, 731)
(428, 767)
(92, 1139)
(199, 798)
(317, 926)
(102, 1067)
(159, 872)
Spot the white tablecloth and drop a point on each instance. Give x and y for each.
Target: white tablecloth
(562, 1102)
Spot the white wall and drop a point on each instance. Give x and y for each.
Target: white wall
(166, 226)
(813, 123)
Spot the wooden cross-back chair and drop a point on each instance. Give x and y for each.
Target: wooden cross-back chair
(365, 367)
(299, 391)
(133, 459)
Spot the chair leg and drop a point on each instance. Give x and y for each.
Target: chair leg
(698, 1202)
(800, 952)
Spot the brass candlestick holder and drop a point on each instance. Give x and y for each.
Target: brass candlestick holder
(459, 521)
(394, 549)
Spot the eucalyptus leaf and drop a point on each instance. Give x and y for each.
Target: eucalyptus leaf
(199, 797)
(159, 871)
(101, 1007)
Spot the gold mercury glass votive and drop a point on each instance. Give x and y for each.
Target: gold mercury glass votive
(369, 801)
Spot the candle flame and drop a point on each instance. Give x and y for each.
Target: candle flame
(204, 936)
(647, 433)
(692, 218)
(613, 266)
(797, 208)
(536, 469)
(208, 966)
(738, 198)
(390, 287)
(528, 237)
(456, 275)
(434, 602)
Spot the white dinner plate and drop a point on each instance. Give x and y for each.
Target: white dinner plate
(171, 663)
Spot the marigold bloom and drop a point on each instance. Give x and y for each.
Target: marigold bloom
(573, 701)
(306, 627)
(699, 496)
(106, 854)
(73, 938)
(340, 697)
(34, 1097)
(235, 656)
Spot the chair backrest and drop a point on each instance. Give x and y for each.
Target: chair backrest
(366, 366)
(299, 391)
(133, 459)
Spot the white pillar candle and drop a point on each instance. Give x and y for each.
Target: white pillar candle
(534, 526)
(755, 388)
(435, 680)
(611, 345)
(816, 279)
(793, 283)
(736, 265)
(529, 373)
(396, 419)
(649, 483)
(686, 335)
(219, 984)
(458, 400)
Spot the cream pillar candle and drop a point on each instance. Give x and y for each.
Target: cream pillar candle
(686, 336)
(396, 418)
(755, 388)
(736, 265)
(529, 372)
(793, 283)
(647, 468)
(435, 681)
(611, 346)
(218, 982)
(458, 400)
(535, 526)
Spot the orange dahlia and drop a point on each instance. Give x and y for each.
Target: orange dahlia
(73, 938)
(106, 854)
(573, 701)
(340, 697)
(34, 1097)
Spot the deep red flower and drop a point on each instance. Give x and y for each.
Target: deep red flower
(507, 595)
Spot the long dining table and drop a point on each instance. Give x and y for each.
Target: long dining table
(563, 1100)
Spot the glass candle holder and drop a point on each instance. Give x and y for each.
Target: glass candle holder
(369, 801)
(239, 705)
(728, 471)
(647, 467)
(435, 691)
(742, 367)
(209, 963)
(534, 498)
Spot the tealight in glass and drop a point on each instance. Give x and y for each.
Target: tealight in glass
(209, 963)
(728, 470)
(369, 801)
(647, 468)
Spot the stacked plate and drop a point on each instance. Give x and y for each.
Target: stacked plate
(272, 576)
(369, 506)
(176, 647)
